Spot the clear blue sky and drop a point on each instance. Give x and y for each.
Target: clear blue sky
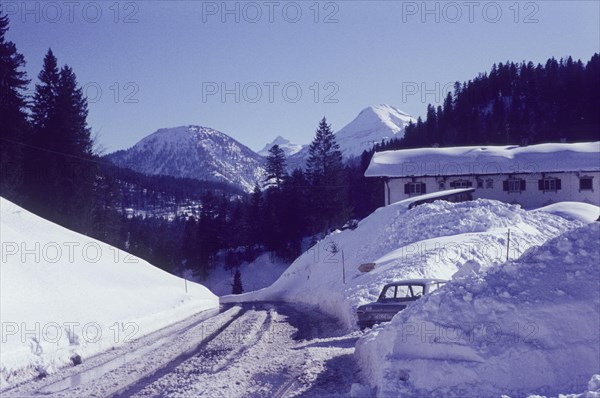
(171, 53)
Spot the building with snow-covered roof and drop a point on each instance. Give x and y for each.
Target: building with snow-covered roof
(532, 176)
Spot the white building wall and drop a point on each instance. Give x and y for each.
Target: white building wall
(530, 198)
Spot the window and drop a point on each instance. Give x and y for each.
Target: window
(403, 292)
(414, 188)
(489, 183)
(417, 290)
(461, 184)
(408, 291)
(435, 286)
(442, 185)
(479, 183)
(390, 292)
(585, 184)
(550, 184)
(514, 185)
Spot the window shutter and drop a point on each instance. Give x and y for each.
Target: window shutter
(541, 185)
(423, 188)
(558, 184)
(505, 185)
(406, 188)
(523, 185)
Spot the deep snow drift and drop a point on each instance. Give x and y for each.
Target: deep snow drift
(64, 294)
(258, 274)
(530, 326)
(580, 211)
(429, 241)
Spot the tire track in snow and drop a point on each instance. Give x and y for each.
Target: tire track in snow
(213, 329)
(216, 355)
(67, 381)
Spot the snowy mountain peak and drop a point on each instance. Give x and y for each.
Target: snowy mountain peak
(386, 113)
(193, 151)
(371, 126)
(288, 147)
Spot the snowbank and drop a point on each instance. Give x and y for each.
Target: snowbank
(529, 326)
(429, 241)
(258, 274)
(63, 294)
(584, 212)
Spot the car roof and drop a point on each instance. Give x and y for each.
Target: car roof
(416, 282)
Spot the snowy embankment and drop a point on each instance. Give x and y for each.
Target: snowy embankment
(430, 241)
(258, 274)
(65, 296)
(529, 326)
(579, 211)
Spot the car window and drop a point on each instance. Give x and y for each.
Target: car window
(389, 292)
(417, 290)
(403, 292)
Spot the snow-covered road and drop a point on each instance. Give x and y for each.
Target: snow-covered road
(249, 350)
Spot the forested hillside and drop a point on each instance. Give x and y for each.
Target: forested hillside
(515, 103)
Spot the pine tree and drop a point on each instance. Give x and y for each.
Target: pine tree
(41, 167)
(276, 166)
(13, 81)
(44, 100)
(236, 287)
(325, 173)
(189, 243)
(77, 182)
(61, 170)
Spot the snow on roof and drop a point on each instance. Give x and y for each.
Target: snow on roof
(583, 156)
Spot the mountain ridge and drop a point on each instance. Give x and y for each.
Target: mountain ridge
(193, 151)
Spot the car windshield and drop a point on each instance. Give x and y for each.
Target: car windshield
(402, 292)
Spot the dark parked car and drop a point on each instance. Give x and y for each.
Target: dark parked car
(394, 298)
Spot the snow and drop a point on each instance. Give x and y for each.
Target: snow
(64, 294)
(583, 212)
(529, 326)
(258, 274)
(486, 160)
(429, 241)
(372, 125)
(194, 152)
(435, 195)
(289, 148)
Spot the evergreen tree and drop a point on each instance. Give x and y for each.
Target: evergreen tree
(276, 166)
(237, 287)
(44, 100)
(78, 169)
(325, 174)
(40, 152)
(13, 81)
(189, 243)
(60, 169)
